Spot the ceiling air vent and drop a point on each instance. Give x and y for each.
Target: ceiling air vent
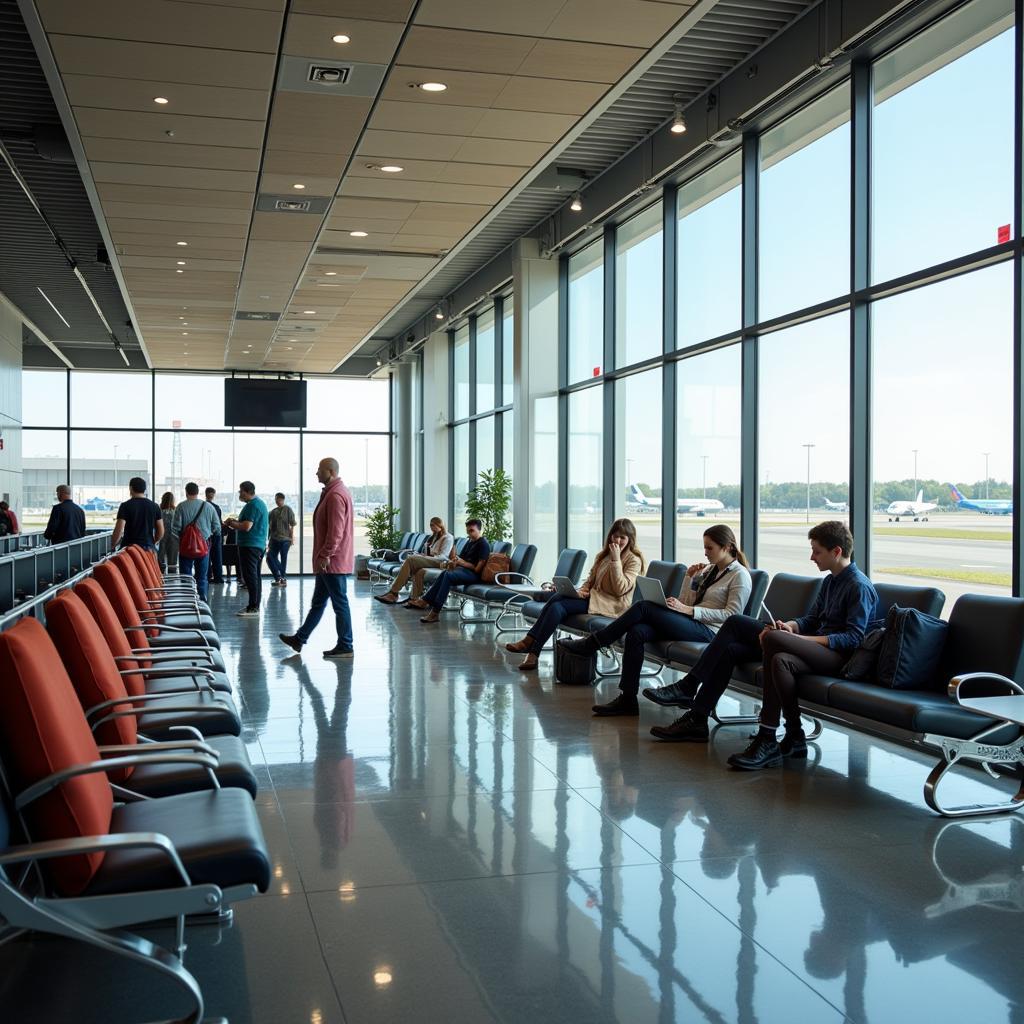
(292, 205)
(254, 314)
(329, 74)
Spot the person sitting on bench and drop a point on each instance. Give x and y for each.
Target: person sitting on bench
(607, 591)
(817, 642)
(438, 550)
(713, 592)
(464, 568)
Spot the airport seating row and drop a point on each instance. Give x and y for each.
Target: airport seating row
(126, 793)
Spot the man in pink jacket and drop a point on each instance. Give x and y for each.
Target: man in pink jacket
(332, 562)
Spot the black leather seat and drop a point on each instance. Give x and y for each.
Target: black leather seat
(216, 833)
(172, 684)
(925, 599)
(234, 770)
(219, 716)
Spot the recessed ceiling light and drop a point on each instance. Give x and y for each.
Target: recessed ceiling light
(298, 185)
(162, 100)
(358, 234)
(179, 271)
(430, 86)
(181, 318)
(331, 273)
(309, 312)
(181, 263)
(288, 347)
(577, 203)
(181, 243)
(184, 334)
(185, 324)
(340, 38)
(391, 168)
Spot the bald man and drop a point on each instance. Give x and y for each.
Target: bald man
(67, 520)
(332, 562)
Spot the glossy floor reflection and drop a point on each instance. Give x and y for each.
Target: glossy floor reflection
(455, 840)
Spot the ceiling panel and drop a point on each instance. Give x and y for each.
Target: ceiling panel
(190, 131)
(167, 154)
(523, 18)
(372, 42)
(178, 178)
(197, 100)
(379, 10)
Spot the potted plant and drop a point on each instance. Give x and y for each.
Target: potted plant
(380, 528)
(490, 502)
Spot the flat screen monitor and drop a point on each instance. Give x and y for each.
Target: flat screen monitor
(263, 402)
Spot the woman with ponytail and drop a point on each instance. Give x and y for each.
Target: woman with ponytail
(712, 591)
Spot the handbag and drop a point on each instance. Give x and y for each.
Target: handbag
(574, 669)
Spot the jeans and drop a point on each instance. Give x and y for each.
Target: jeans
(217, 558)
(277, 558)
(329, 585)
(438, 593)
(558, 609)
(411, 567)
(198, 567)
(249, 560)
(786, 656)
(646, 621)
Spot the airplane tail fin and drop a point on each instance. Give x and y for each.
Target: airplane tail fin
(920, 497)
(638, 495)
(957, 496)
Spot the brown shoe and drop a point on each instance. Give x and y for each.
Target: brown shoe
(529, 663)
(387, 598)
(417, 605)
(432, 617)
(520, 646)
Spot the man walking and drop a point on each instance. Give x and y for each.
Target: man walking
(282, 536)
(332, 562)
(216, 541)
(251, 529)
(67, 520)
(192, 560)
(138, 519)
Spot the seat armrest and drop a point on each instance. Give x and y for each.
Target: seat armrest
(198, 746)
(142, 698)
(163, 627)
(957, 683)
(501, 578)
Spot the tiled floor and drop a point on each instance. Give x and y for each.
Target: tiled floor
(457, 841)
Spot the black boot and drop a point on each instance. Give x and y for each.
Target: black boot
(625, 704)
(674, 695)
(794, 744)
(763, 752)
(691, 727)
(582, 645)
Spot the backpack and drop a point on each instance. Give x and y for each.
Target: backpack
(192, 544)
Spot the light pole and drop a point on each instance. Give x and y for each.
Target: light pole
(808, 447)
(704, 475)
(914, 495)
(986, 454)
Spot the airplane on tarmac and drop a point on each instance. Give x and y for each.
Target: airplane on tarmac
(990, 506)
(97, 505)
(918, 508)
(698, 505)
(837, 506)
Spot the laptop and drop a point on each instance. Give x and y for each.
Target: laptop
(650, 590)
(564, 586)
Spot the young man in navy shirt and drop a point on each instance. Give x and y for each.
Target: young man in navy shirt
(818, 642)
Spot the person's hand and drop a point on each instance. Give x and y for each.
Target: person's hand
(788, 627)
(696, 568)
(677, 606)
(584, 591)
(324, 565)
(547, 586)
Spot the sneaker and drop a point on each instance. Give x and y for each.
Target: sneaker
(794, 744)
(688, 728)
(248, 613)
(624, 704)
(674, 695)
(763, 752)
(292, 641)
(336, 653)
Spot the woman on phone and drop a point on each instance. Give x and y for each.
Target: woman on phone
(712, 591)
(607, 591)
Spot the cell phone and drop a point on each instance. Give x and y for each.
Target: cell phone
(771, 618)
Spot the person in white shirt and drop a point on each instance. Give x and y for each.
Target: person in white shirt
(438, 549)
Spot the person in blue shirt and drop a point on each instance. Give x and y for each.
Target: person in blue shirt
(250, 527)
(818, 642)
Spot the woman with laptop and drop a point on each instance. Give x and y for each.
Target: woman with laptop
(712, 591)
(608, 590)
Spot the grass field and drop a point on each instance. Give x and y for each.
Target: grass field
(992, 579)
(944, 533)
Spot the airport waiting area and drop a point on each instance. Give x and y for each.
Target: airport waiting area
(511, 513)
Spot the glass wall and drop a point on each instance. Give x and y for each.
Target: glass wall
(708, 407)
(585, 489)
(638, 490)
(460, 362)
(168, 428)
(586, 313)
(638, 287)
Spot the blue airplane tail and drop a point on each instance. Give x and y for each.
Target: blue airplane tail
(957, 496)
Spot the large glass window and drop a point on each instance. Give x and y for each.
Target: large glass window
(102, 463)
(95, 396)
(485, 361)
(586, 461)
(484, 444)
(586, 313)
(942, 137)
(44, 465)
(44, 398)
(461, 376)
(803, 437)
(194, 401)
(638, 492)
(349, 405)
(208, 458)
(508, 337)
(460, 475)
(638, 287)
(943, 422)
(543, 530)
(804, 207)
(709, 254)
(708, 410)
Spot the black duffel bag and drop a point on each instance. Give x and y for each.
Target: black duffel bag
(574, 669)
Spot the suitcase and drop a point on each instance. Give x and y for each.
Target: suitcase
(575, 669)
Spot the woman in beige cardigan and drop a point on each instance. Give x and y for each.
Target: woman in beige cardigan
(607, 591)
